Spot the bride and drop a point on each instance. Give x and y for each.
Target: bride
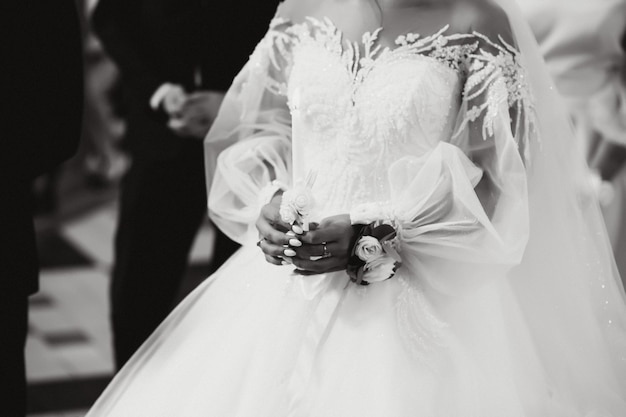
(418, 238)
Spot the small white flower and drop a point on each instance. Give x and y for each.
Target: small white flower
(368, 248)
(302, 200)
(412, 37)
(287, 214)
(297, 204)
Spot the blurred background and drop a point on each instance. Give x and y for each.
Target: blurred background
(68, 352)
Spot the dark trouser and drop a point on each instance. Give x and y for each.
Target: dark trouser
(13, 328)
(162, 206)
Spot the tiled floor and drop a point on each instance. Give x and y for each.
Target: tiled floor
(68, 352)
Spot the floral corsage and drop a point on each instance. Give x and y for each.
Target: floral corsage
(374, 256)
(298, 203)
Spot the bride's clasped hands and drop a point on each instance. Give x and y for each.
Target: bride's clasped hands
(325, 247)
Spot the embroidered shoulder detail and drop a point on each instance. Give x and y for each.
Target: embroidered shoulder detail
(450, 50)
(270, 58)
(492, 70)
(326, 34)
(495, 77)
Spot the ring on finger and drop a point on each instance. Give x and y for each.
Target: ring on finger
(325, 252)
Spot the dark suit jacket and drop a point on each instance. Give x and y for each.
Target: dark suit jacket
(158, 41)
(42, 98)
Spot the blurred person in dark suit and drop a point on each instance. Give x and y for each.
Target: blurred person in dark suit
(41, 121)
(176, 59)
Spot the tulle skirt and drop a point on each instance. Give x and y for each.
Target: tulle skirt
(257, 340)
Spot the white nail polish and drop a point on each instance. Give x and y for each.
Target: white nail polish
(297, 229)
(290, 234)
(295, 242)
(289, 252)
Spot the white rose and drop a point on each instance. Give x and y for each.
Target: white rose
(368, 248)
(379, 269)
(287, 214)
(302, 200)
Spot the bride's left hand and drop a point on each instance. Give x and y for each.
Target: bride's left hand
(326, 247)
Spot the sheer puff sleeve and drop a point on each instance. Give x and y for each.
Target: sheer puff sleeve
(248, 149)
(461, 211)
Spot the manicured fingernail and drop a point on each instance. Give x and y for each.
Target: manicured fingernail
(315, 258)
(295, 242)
(290, 234)
(287, 261)
(289, 252)
(297, 229)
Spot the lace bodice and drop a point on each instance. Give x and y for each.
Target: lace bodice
(358, 107)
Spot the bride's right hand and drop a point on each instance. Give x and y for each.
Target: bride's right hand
(273, 238)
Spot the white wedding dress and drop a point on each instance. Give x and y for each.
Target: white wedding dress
(469, 325)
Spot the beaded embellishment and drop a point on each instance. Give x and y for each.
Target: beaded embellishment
(492, 70)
